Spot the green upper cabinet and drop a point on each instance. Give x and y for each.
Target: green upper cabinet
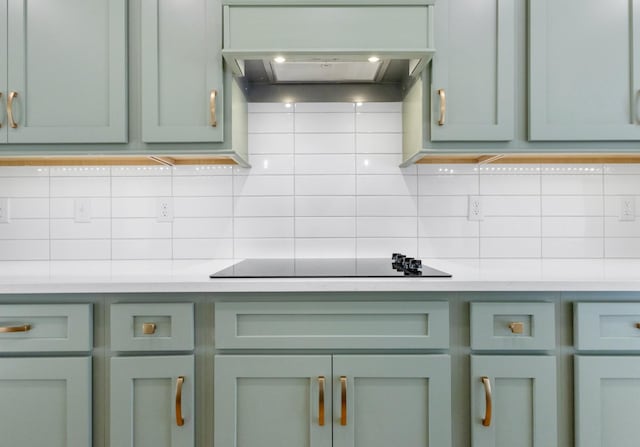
(473, 71)
(182, 71)
(65, 71)
(584, 70)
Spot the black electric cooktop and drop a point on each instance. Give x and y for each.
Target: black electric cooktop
(397, 266)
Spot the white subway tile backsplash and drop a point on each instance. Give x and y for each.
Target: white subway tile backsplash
(380, 206)
(140, 171)
(263, 206)
(143, 228)
(24, 250)
(325, 227)
(321, 164)
(270, 123)
(202, 248)
(378, 143)
(510, 227)
(254, 227)
(270, 143)
(203, 227)
(612, 204)
(325, 206)
(378, 122)
(586, 184)
(26, 208)
(199, 170)
(616, 228)
(447, 185)
(80, 249)
(269, 107)
(24, 171)
(447, 227)
(572, 227)
(387, 227)
(622, 247)
(510, 247)
(509, 169)
(263, 185)
(80, 187)
(263, 248)
(325, 123)
(572, 247)
(64, 208)
(376, 107)
(622, 185)
(325, 248)
(381, 247)
(391, 185)
(443, 206)
(323, 144)
(131, 207)
(325, 107)
(125, 249)
(202, 207)
(325, 185)
(448, 169)
(617, 169)
(448, 247)
(25, 229)
(507, 184)
(572, 206)
(381, 164)
(510, 206)
(24, 186)
(270, 164)
(204, 186)
(69, 229)
(571, 169)
(141, 186)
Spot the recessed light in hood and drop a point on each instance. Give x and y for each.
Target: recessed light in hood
(360, 49)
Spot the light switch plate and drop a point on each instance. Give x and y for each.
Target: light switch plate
(4, 210)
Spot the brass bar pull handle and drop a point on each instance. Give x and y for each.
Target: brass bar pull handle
(443, 107)
(179, 418)
(7, 329)
(517, 327)
(487, 395)
(321, 381)
(12, 122)
(213, 121)
(149, 328)
(343, 400)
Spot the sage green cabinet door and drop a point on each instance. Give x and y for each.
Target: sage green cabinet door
(272, 401)
(66, 62)
(45, 402)
(584, 70)
(474, 67)
(147, 398)
(607, 401)
(402, 400)
(182, 71)
(522, 399)
(3, 72)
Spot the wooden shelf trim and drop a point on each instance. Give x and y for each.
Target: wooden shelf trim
(93, 160)
(598, 158)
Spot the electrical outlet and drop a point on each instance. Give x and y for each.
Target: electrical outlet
(4, 210)
(165, 209)
(82, 210)
(475, 208)
(627, 209)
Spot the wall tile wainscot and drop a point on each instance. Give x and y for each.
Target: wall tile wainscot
(325, 182)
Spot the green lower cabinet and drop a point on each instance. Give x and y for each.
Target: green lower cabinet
(45, 402)
(515, 405)
(302, 401)
(149, 395)
(607, 402)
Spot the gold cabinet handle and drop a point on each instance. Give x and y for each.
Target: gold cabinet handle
(12, 122)
(517, 327)
(23, 328)
(213, 121)
(0, 98)
(343, 400)
(149, 328)
(443, 107)
(637, 325)
(487, 396)
(321, 381)
(179, 418)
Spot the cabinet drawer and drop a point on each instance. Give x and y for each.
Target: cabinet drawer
(152, 327)
(512, 326)
(45, 327)
(607, 326)
(333, 325)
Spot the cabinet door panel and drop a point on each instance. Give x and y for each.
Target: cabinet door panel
(181, 66)
(53, 395)
(143, 401)
(67, 64)
(392, 400)
(3, 73)
(607, 391)
(474, 65)
(523, 396)
(271, 401)
(574, 95)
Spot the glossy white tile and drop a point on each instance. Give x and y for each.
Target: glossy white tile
(205, 186)
(27, 208)
(24, 250)
(202, 207)
(141, 171)
(528, 226)
(24, 171)
(25, 229)
(378, 143)
(142, 186)
(268, 143)
(131, 207)
(263, 185)
(24, 187)
(203, 227)
(585, 184)
(80, 249)
(572, 248)
(510, 247)
(80, 187)
(448, 247)
(324, 144)
(271, 164)
(62, 208)
(378, 122)
(444, 206)
(199, 170)
(325, 206)
(324, 123)
(325, 227)
(572, 227)
(383, 247)
(626, 168)
(269, 107)
(572, 205)
(501, 185)
(202, 249)
(325, 248)
(622, 247)
(263, 206)
(80, 171)
(69, 229)
(324, 107)
(612, 204)
(255, 227)
(447, 185)
(449, 169)
(385, 227)
(140, 228)
(263, 248)
(622, 185)
(613, 227)
(379, 206)
(447, 227)
(325, 185)
(320, 164)
(510, 206)
(381, 164)
(270, 123)
(377, 107)
(509, 169)
(390, 184)
(122, 249)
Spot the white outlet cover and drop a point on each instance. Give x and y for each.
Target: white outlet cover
(5, 212)
(627, 209)
(82, 210)
(475, 211)
(164, 209)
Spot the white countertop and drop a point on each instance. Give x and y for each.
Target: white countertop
(193, 276)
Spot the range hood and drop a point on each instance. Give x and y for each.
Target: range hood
(328, 52)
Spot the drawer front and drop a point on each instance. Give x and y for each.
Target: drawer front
(152, 327)
(513, 326)
(607, 326)
(45, 328)
(332, 325)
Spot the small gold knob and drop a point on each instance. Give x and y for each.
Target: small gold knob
(148, 328)
(517, 327)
